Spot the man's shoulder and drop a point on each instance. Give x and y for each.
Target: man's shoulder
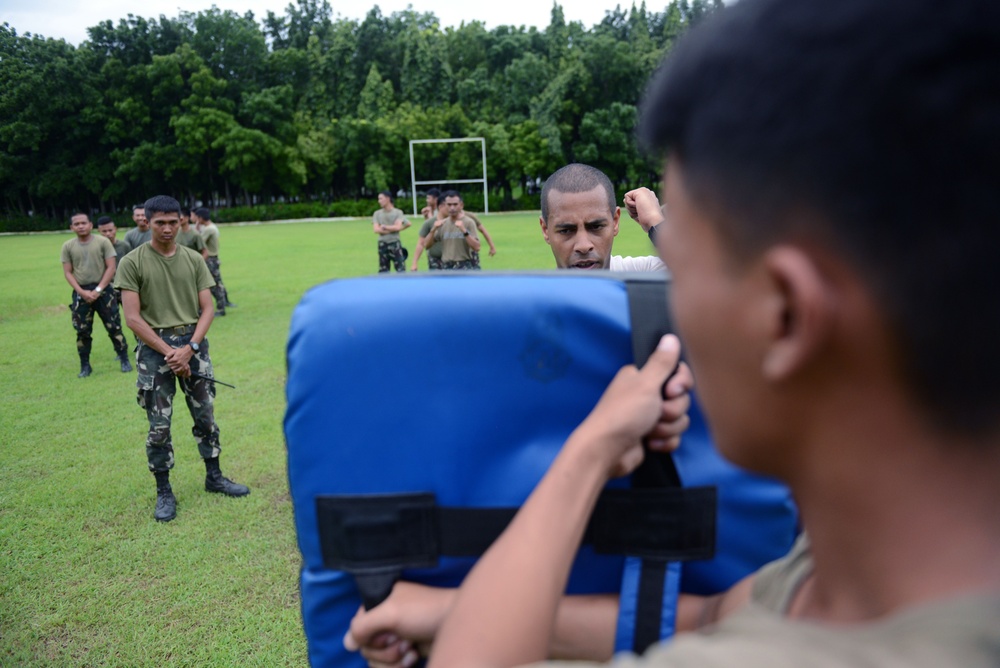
(69, 243)
(640, 263)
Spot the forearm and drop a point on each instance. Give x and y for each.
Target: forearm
(473, 242)
(109, 273)
(505, 611)
(585, 628)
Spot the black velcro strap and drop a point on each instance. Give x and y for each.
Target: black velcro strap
(672, 524)
(647, 305)
(376, 536)
(649, 604)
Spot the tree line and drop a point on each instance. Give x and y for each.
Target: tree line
(222, 108)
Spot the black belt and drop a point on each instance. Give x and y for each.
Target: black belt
(180, 330)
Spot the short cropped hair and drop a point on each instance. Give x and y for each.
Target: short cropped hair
(185, 211)
(387, 194)
(161, 204)
(434, 192)
(452, 193)
(203, 212)
(577, 178)
(104, 220)
(872, 127)
(138, 206)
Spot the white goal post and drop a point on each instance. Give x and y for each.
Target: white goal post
(413, 173)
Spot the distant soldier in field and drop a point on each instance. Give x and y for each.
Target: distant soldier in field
(190, 237)
(139, 234)
(482, 230)
(168, 304)
(107, 228)
(210, 235)
(434, 252)
(88, 262)
(388, 222)
(456, 234)
(429, 212)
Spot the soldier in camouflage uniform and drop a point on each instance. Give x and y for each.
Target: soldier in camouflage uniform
(388, 222)
(456, 234)
(107, 228)
(168, 304)
(210, 236)
(88, 262)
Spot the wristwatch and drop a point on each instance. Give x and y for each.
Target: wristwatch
(194, 346)
(465, 234)
(98, 289)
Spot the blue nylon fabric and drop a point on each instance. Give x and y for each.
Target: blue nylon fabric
(377, 365)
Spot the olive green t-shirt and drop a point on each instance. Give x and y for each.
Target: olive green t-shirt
(210, 235)
(425, 229)
(167, 286)
(383, 217)
(192, 240)
(89, 260)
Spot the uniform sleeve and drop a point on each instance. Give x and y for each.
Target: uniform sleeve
(109, 249)
(127, 277)
(64, 257)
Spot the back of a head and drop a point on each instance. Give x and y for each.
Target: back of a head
(203, 212)
(872, 126)
(161, 204)
(576, 178)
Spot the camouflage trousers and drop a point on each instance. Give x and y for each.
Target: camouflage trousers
(156, 385)
(461, 264)
(394, 252)
(219, 291)
(475, 260)
(83, 322)
(434, 263)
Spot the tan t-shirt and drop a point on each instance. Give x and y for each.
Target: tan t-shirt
(167, 286)
(383, 217)
(452, 240)
(959, 632)
(210, 235)
(89, 260)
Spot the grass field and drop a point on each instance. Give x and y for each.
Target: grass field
(88, 577)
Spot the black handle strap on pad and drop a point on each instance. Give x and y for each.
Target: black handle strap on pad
(375, 537)
(650, 321)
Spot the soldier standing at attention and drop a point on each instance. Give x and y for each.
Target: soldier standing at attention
(107, 228)
(188, 237)
(210, 235)
(139, 234)
(89, 265)
(168, 304)
(388, 222)
(456, 234)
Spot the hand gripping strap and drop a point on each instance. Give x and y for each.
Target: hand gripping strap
(375, 537)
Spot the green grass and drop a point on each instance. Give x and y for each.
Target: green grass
(88, 577)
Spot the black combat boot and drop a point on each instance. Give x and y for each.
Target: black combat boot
(214, 482)
(126, 365)
(166, 504)
(85, 369)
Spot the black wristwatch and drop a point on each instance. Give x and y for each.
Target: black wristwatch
(194, 346)
(465, 234)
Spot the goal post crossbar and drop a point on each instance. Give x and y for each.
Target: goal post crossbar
(413, 173)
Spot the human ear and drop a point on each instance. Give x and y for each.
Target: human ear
(799, 311)
(545, 229)
(614, 220)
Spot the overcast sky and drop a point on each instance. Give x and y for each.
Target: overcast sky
(69, 19)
